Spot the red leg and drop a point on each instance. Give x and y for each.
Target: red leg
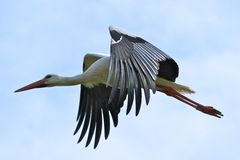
(205, 109)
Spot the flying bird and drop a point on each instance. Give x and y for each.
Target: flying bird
(134, 68)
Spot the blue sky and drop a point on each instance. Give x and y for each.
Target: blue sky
(40, 37)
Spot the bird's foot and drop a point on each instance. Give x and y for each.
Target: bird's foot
(210, 110)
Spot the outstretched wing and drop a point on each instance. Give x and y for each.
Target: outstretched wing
(134, 65)
(94, 108)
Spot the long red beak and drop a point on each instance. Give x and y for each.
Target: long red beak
(37, 84)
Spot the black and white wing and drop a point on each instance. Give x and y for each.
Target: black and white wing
(134, 65)
(94, 109)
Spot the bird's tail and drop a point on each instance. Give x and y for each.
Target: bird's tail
(178, 87)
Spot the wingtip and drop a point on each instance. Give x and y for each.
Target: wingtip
(106, 136)
(127, 112)
(75, 132)
(95, 145)
(137, 112)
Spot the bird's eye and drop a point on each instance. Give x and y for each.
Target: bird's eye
(47, 76)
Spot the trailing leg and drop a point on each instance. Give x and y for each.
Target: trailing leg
(205, 109)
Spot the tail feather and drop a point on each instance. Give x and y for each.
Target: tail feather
(178, 87)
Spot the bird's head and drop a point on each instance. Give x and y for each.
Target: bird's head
(49, 80)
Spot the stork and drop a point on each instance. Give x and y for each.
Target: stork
(134, 68)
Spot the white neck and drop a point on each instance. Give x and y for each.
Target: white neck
(95, 74)
(70, 81)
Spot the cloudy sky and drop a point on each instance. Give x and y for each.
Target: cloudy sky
(38, 37)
